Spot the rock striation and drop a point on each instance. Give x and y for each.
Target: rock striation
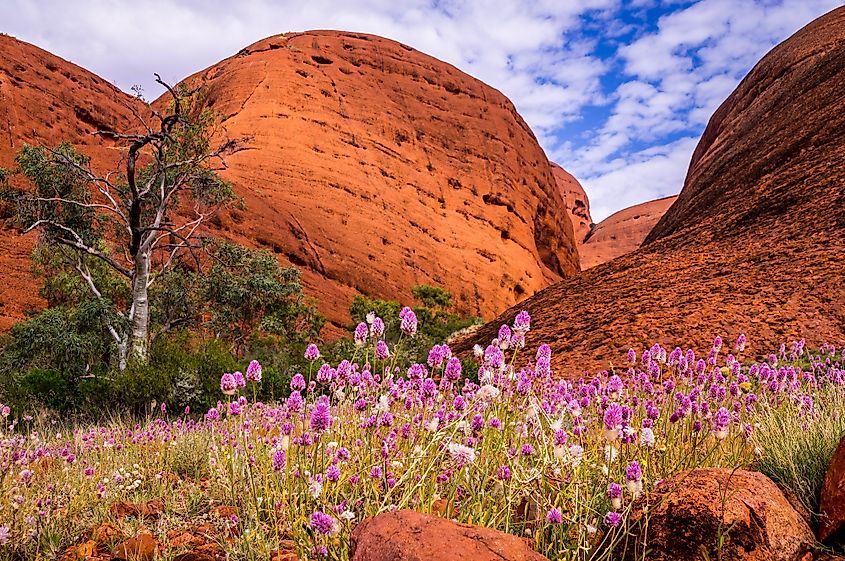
(47, 100)
(371, 166)
(375, 167)
(755, 242)
(406, 534)
(683, 517)
(621, 233)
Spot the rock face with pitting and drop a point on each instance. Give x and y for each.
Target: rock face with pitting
(46, 100)
(616, 235)
(371, 166)
(832, 499)
(687, 512)
(375, 167)
(577, 203)
(411, 536)
(755, 242)
(621, 233)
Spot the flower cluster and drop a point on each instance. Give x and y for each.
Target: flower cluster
(356, 438)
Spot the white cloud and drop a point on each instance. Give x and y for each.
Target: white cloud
(645, 105)
(681, 74)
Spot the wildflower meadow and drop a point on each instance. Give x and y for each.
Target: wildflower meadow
(511, 445)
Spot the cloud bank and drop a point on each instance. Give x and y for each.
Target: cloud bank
(616, 92)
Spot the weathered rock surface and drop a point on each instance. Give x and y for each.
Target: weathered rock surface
(409, 535)
(142, 547)
(616, 235)
(621, 233)
(576, 201)
(46, 100)
(755, 242)
(687, 513)
(832, 499)
(375, 167)
(371, 166)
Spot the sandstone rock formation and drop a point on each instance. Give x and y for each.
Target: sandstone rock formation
(832, 499)
(686, 513)
(620, 233)
(755, 242)
(616, 235)
(577, 203)
(46, 100)
(375, 167)
(406, 534)
(371, 166)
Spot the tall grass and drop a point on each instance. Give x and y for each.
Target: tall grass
(796, 440)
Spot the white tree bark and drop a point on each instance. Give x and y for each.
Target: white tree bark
(139, 336)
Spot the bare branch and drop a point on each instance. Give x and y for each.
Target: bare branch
(78, 243)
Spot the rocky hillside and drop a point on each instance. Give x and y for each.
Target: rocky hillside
(371, 166)
(46, 100)
(616, 235)
(375, 167)
(620, 233)
(577, 203)
(756, 240)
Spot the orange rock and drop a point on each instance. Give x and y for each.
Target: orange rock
(142, 547)
(755, 242)
(224, 511)
(88, 551)
(372, 167)
(576, 201)
(194, 556)
(181, 539)
(104, 534)
(406, 534)
(46, 100)
(150, 509)
(375, 167)
(286, 552)
(620, 233)
(832, 499)
(443, 508)
(685, 514)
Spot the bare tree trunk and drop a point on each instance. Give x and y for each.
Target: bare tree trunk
(139, 337)
(121, 355)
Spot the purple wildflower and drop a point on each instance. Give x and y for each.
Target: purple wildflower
(409, 321)
(612, 519)
(253, 372)
(382, 352)
(297, 383)
(323, 523)
(377, 328)
(361, 332)
(312, 353)
(228, 384)
(321, 415)
(279, 460)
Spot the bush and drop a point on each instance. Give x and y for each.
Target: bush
(796, 441)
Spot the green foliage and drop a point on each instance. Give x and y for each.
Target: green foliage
(61, 284)
(61, 193)
(436, 316)
(795, 444)
(253, 295)
(67, 340)
(432, 297)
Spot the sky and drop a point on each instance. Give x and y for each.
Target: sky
(616, 91)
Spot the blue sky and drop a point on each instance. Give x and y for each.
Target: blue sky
(617, 92)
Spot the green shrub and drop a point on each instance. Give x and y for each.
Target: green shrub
(795, 443)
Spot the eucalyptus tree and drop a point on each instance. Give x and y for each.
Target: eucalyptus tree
(139, 221)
